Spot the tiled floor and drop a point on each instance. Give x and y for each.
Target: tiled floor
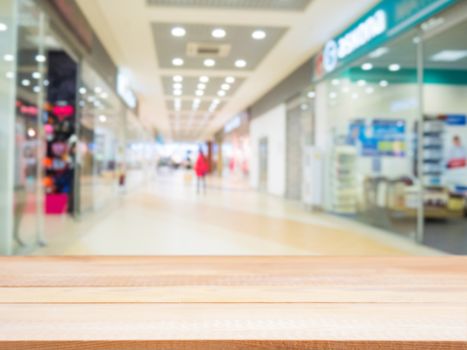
(167, 217)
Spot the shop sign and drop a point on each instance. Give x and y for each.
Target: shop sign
(386, 20)
(236, 122)
(338, 49)
(232, 124)
(125, 92)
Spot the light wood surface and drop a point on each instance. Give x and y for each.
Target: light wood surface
(233, 303)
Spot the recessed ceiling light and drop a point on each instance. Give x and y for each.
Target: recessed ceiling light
(218, 33)
(102, 118)
(36, 75)
(367, 66)
(199, 93)
(3, 27)
(178, 61)
(394, 67)
(104, 95)
(98, 90)
(177, 86)
(379, 52)
(240, 63)
(8, 57)
(345, 89)
(216, 101)
(46, 82)
(178, 78)
(311, 94)
(225, 87)
(178, 32)
(26, 82)
(82, 90)
(449, 56)
(31, 132)
(204, 79)
(197, 101)
(177, 92)
(40, 58)
(335, 82)
(258, 34)
(209, 62)
(36, 89)
(230, 80)
(201, 86)
(10, 75)
(221, 93)
(361, 83)
(383, 83)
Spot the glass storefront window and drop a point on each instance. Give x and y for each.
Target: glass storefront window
(371, 109)
(8, 34)
(444, 126)
(29, 143)
(101, 133)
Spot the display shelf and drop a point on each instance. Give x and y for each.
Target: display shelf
(344, 190)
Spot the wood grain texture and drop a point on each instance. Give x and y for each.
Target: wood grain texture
(233, 303)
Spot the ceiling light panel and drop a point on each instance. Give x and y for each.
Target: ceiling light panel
(186, 106)
(272, 5)
(192, 83)
(237, 44)
(449, 56)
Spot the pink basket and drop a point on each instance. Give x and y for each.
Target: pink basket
(56, 204)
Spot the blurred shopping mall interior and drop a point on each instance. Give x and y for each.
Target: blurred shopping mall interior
(221, 127)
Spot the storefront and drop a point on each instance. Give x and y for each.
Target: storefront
(391, 110)
(63, 123)
(235, 146)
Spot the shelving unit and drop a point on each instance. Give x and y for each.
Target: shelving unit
(433, 131)
(343, 180)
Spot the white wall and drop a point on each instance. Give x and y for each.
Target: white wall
(272, 125)
(445, 99)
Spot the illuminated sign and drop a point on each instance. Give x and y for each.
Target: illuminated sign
(125, 92)
(370, 28)
(386, 20)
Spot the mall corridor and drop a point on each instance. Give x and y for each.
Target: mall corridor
(233, 174)
(356, 109)
(166, 216)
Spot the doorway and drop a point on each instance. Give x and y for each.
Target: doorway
(263, 148)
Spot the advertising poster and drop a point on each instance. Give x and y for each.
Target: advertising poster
(378, 137)
(455, 146)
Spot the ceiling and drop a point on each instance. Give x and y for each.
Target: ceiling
(206, 94)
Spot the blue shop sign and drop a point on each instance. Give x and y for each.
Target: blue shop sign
(386, 20)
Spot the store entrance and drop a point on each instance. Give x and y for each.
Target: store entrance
(263, 164)
(444, 152)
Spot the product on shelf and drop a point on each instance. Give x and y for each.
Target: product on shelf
(344, 180)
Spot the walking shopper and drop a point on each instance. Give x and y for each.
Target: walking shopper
(201, 169)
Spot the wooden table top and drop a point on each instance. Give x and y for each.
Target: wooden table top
(233, 303)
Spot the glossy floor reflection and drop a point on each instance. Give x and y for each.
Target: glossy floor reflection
(168, 217)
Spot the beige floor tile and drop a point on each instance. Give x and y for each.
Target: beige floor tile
(167, 217)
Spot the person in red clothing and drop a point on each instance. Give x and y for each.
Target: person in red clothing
(201, 169)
